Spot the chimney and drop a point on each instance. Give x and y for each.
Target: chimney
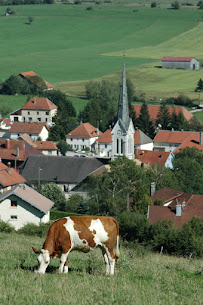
(200, 138)
(9, 168)
(178, 209)
(183, 204)
(153, 188)
(7, 144)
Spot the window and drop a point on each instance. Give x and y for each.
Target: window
(105, 146)
(46, 119)
(47, 112)
(15, 217)
(28, 112)
(15, 119)
(14, 203)
(39, 119)
(37, 112)
(29, 119)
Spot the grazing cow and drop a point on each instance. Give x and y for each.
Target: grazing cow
(83, 233)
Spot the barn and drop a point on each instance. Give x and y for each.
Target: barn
(188, 63)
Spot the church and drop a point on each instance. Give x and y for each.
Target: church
(123, 131)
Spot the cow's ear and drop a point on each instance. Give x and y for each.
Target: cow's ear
(35, 250)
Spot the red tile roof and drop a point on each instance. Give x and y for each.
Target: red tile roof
(177, 58)
(84, 130)
(106, 137)
(29, 75)
(8, 150)
(37, 103)
(20, 127)
(166, 194)
(167, 136)
(192, 141)
(154, 110)
(152, 157)
(9, 177)
(193, 208)
(46, 145)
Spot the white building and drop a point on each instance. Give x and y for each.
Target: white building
(34, 130)
(188, 63)
(103, 144)
(83, 136)
(22, 205)
(37, 110)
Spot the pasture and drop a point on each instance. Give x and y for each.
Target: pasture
(141, 277)
(68, 45)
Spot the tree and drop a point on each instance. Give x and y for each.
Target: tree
(5, 110)
(54, 193)
(163, 117)
(188, 170)
(199, 87)
(175, 5)
(153, 4)
(30, 19)
(144, 123)
(63, 147)
(13, 85)
(195, 124)
(141, 199)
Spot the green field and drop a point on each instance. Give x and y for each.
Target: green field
(141, 278)
(68, 45)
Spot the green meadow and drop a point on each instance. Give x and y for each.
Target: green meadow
(68, 45)
(141, 278)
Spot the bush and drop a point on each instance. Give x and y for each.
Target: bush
(33, 229)
(153, 4)
(175, 5)
(54, 214)
(133, 226)
(6, 227)
(89, 8)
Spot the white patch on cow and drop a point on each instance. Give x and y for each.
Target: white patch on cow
(43, 260)
(101, 236)
(76, 242)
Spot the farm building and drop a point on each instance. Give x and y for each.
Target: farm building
(188, 63)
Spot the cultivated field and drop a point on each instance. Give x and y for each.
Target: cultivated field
(68, 45)
(141, 278)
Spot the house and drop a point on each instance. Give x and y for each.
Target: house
(9, 177)
(169, 140)
(36, 79)
(21, 205)
(35, 110)
(35, 130)
(142, 141)
(16, 152)
(83, 136)
(149, 158)
(179, 207)
(45, 147)
(154, 110)
(5, 123)
(188, 63)
(103, 144)
(123, 130)
(66, 172)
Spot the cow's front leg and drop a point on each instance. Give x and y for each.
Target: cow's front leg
(65, 269)
(63, 261)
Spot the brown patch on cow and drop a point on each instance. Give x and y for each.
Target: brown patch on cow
(94, 232)
(84, 241)
(82, 224)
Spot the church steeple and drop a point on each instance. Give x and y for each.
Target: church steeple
(123, 108)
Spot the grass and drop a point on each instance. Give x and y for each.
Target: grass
(12, 101)
(199, 114)
(68, 45)
(141, 277)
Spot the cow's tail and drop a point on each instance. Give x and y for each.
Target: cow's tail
(116, 249)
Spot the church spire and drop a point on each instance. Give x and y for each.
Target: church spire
(123, 108)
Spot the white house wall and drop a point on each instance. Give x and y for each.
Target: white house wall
(25, 213)
(80, 143)
(161, 146)
(148, 146)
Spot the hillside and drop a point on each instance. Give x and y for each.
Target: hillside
(68, 45)
(141, 277)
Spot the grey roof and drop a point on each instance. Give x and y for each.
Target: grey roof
(59, 168)
(144, 139)
(123, 108)
(30, 196)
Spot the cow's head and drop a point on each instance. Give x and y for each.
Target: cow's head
(43, 260)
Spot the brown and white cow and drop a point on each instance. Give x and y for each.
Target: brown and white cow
(83, 233)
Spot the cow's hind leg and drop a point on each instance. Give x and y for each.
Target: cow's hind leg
(65, 268)
(106, 260)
